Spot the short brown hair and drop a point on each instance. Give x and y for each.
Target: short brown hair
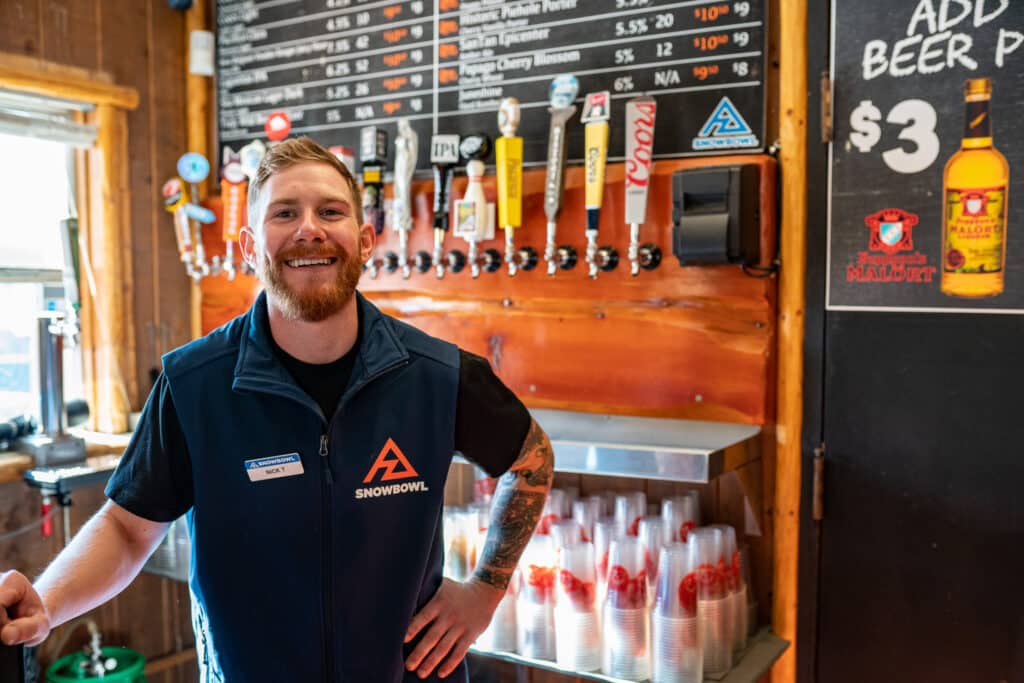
(296, 151)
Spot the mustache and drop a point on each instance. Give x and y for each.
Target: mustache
(313, 251)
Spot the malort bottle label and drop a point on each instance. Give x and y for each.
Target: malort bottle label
(974, 230)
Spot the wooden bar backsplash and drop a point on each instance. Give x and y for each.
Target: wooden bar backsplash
(687, 342)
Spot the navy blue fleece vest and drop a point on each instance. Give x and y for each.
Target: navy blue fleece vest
(314, 577)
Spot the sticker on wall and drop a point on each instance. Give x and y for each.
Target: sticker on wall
(725, 129)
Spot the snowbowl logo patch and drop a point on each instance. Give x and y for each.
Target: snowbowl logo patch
(390, 465)
(725, 129)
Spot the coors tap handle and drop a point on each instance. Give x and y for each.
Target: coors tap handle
(562, 92)
(444, 154)
(508, 153)
(406, 150)
(640, 112)
(373, 153)
(596, 112)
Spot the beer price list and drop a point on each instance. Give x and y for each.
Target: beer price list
(336, 66)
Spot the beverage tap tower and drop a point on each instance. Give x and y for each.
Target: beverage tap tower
(406, 149)
(508, 153)
(444, 154)
(563, 91)
(595, 117)
(373, 153)
(473, 219)
(640, 113)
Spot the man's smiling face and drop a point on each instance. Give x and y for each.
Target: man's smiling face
(308, 247)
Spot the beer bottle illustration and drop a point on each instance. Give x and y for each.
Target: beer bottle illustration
(975, 185)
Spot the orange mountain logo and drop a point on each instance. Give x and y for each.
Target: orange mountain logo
(390, 459)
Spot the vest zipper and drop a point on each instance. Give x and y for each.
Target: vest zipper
(327, 604)
(328, 474)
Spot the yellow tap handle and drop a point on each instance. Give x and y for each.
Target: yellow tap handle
(595, 160)
(509, 157)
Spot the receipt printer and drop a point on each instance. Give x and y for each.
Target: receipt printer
(715, 215)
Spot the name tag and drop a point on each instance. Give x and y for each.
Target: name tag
(287, 465)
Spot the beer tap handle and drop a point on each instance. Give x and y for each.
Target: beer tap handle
(193, 169)
(562, 92)
(508, 153)
(444, 154)
(640, 117)
(406, 149)
(474, 216)
(233, 186)
(596, 112)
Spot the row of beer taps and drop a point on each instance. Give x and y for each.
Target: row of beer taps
(474, 216)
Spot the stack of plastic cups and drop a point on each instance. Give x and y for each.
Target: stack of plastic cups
(748, 583)
(459, 537)
(626, 652)
(675, 641)
(483, 486)
(535, 617)
(565, 532)
(606, 530)
(500, 635)
(681, 515)
(555, 508)
(730, 568)
(586, 512)
(652, 535)
(572, 494)
(577, 624)
(629, 509)
(714, 608)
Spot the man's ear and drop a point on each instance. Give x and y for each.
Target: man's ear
(247, 241)
(367, 241)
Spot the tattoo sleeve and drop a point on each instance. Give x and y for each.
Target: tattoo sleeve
(518, 503)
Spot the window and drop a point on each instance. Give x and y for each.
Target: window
(36, 195)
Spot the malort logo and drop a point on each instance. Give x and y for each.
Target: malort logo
(393, 464)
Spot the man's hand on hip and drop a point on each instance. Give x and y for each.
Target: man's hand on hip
(457, 614)
(23, 617)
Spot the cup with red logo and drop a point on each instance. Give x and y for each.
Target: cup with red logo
(737, 589)
(629, 509)
(577, 625)
(500, 634)
(653, 535)
(555, 508)
(586, 512)
(675, 643)
(681, 515)
(606, 530)
(626, 649)
(565, 532)
(706, 546)
(535, 619)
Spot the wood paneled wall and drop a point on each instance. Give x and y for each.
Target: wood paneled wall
(141, 45)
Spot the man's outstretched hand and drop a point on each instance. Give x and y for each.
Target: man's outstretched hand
(456, 615)
(23, 617)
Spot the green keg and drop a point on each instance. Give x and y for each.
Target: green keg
(128, 668)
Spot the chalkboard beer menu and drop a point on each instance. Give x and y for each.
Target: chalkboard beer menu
(335, 66)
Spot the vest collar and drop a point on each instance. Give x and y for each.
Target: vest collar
(258, 368)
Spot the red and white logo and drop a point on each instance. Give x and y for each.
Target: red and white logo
(891, 230)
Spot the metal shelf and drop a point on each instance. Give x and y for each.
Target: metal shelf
(645, 447)
(753, 662)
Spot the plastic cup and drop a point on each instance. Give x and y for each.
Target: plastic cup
(734, 582)
(500, 635)
(653, 537)
(459, 540)
(605, 531)
(483, 486)
(586, 512)
(577, 624)
(555, 508)
(676, 654)
(681, 515)
(626, 652)
(629, 509)
(564, 533)
(714, 606)
(535, 625)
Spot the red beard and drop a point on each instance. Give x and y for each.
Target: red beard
(315, 302)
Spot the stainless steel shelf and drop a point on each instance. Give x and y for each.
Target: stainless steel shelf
(753, 662)
(645, 447)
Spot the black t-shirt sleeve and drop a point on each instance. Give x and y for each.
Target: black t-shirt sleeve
(154, 478)
(491, 422)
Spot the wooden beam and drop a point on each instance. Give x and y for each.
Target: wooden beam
(198, 97)
(50, 79)
(793, 157)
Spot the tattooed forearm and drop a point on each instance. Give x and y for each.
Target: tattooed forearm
(518, 504)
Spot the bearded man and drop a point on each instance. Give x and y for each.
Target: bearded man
(308, 442)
